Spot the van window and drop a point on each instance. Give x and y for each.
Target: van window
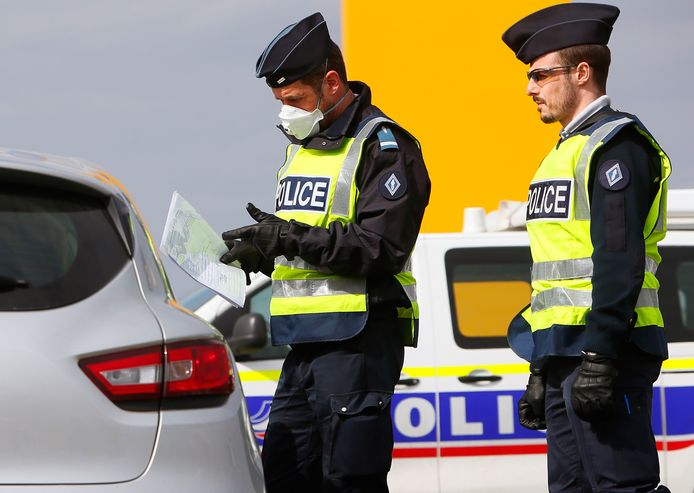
(487, 287)
(256, 302)
(56, 248)
(676, 294)
(259, 302)
(685, 293)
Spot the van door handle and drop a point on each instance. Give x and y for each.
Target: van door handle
(479, 378)
(408, 382)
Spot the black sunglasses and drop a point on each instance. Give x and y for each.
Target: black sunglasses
(543, 75)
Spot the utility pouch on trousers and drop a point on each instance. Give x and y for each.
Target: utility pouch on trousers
(361, 434)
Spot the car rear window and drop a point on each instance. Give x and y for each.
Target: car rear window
(56, 247)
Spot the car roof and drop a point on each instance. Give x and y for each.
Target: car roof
(41, 168)
(63, 168)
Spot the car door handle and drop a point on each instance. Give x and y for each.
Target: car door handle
(408, 382)
(479, 378)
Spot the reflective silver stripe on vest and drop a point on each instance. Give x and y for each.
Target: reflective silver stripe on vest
(318, 287)
(300, 264)
(660, 223)
(563, 269)
(411, 292)
(294, 148)
(561, 297)
(581, 204)
(577, 268)
(343, 187)
(648, 298)
(583, 299)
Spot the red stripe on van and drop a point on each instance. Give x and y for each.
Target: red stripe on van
(413, 453)
(494, 450)
(675, 445)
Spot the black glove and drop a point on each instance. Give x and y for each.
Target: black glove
(249, 257)
(531, 406)
(591, 393)
(267, 236)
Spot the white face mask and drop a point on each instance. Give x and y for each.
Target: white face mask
(303, 124)
(300, 123)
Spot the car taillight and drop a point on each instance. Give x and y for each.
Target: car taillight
(193, 368)
(127, 375)
(198, 368)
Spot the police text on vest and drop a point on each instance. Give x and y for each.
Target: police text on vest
(303, 193)
(549, 199)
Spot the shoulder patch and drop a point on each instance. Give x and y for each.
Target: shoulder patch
(392, 185)
(386, 138)
(613, 175)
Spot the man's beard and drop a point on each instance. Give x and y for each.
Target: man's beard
(548, 118)
(563, 105)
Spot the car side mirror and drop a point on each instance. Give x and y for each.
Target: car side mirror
(249, 334)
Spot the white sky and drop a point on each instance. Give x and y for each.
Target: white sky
(163, 94)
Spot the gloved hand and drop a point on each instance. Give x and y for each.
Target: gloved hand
(531, 406)
(267, 236)
(592, 393)
(249, 257)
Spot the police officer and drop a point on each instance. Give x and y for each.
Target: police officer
(596, 212)
(350, 200)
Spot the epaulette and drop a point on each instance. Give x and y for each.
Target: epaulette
(386, 138)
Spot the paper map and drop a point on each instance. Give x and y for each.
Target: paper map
(196, 247)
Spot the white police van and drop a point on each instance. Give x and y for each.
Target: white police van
(454, 411)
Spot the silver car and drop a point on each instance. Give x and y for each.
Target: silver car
(106, 382)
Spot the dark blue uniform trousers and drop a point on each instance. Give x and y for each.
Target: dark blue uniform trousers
(613, 455)
(330, 427)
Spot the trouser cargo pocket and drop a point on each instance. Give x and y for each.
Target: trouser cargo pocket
(360, 435)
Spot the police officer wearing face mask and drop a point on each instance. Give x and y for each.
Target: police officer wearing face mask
(596, 212)
(350, 200)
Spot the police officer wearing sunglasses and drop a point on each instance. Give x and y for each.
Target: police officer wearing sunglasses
(349, 203)
(593, 332)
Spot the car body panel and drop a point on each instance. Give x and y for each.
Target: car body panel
(57, 426)
(60, 432)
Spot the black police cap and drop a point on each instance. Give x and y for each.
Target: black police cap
(295, 52)
(560, 26)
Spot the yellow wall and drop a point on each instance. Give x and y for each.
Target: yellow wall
(440, 69)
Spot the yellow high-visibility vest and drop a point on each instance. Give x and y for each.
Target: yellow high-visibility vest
(309, 303)
(559, 230)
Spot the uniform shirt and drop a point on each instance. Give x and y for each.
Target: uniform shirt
(379, 243)
(617, 222)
